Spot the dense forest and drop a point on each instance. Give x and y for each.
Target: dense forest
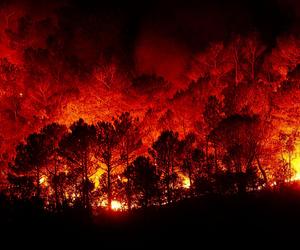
(106, 164)
(234, 129)
(125, 118)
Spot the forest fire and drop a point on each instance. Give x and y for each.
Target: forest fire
(296, 168)
(186, 182)
(116, 205)
(85, 130)
(107, 108)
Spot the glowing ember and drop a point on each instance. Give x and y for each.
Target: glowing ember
(116, 205)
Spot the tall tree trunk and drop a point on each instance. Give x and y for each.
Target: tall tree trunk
(57, 204)
(168, 190)
(86, 182)
(146, 199)
(263, 172)
(168, 181)
(236, 63)
(38, 185)
(172, 174)
(215, 160)
(159, 195)
(109, 194)
(129, 201)
(206, 151)
(190, 175)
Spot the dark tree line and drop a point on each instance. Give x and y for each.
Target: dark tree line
(92, 165)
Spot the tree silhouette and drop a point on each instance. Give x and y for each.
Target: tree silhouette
(130, 141)
(31, 158)
(238, 136)
(186, 149)
(203, 171)
(164, 152)
(53, 133)
(21, 187)
(253, 51)
(107, 149)
(213, 112)
(212, 116)
(145, 181)
(77, 148)
(128, 186)
(288, 142)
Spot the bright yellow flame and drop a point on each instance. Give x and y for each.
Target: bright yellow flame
(116, 205)
(296, 167)
(186, 182)
(42, 180)
(96, 177)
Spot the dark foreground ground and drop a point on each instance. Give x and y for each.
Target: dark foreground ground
(266, 219)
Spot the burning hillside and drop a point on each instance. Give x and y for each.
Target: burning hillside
(125, 107)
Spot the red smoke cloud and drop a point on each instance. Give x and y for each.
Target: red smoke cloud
(154, 53)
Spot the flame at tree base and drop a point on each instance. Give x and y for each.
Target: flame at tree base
(186, 182)
(116, 205)
(296, 168)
